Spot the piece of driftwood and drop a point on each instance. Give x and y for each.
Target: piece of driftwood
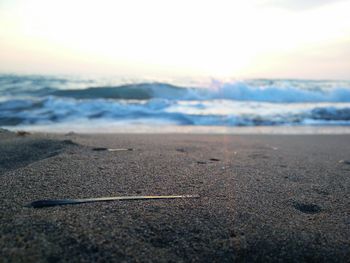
(55, 202)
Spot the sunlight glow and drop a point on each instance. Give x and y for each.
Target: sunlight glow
(216, 38)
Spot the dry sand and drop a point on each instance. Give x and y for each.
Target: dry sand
(263, 198)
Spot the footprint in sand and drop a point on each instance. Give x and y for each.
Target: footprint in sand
(307, 208)
(15, 155)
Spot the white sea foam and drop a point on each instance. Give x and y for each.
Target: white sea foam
(47, 101)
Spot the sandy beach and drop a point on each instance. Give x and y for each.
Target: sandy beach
(262, 198)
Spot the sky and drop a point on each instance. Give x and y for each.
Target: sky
(307, 39)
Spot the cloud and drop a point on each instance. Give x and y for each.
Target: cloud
(298, 5)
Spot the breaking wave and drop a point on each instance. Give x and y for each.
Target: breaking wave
(26, 100)
(236, 91)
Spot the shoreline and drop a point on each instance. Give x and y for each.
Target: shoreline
(262, 198)
(105, 128)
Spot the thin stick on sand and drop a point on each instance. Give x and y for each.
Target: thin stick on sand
(53, 202)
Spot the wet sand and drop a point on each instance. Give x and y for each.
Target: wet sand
(263, 198)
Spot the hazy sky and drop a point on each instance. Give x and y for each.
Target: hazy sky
(177, 38)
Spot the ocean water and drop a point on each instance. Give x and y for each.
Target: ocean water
(42, 101)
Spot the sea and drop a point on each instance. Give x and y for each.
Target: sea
(86, 104)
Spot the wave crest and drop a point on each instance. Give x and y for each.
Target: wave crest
(211, 113)
(236, 91)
